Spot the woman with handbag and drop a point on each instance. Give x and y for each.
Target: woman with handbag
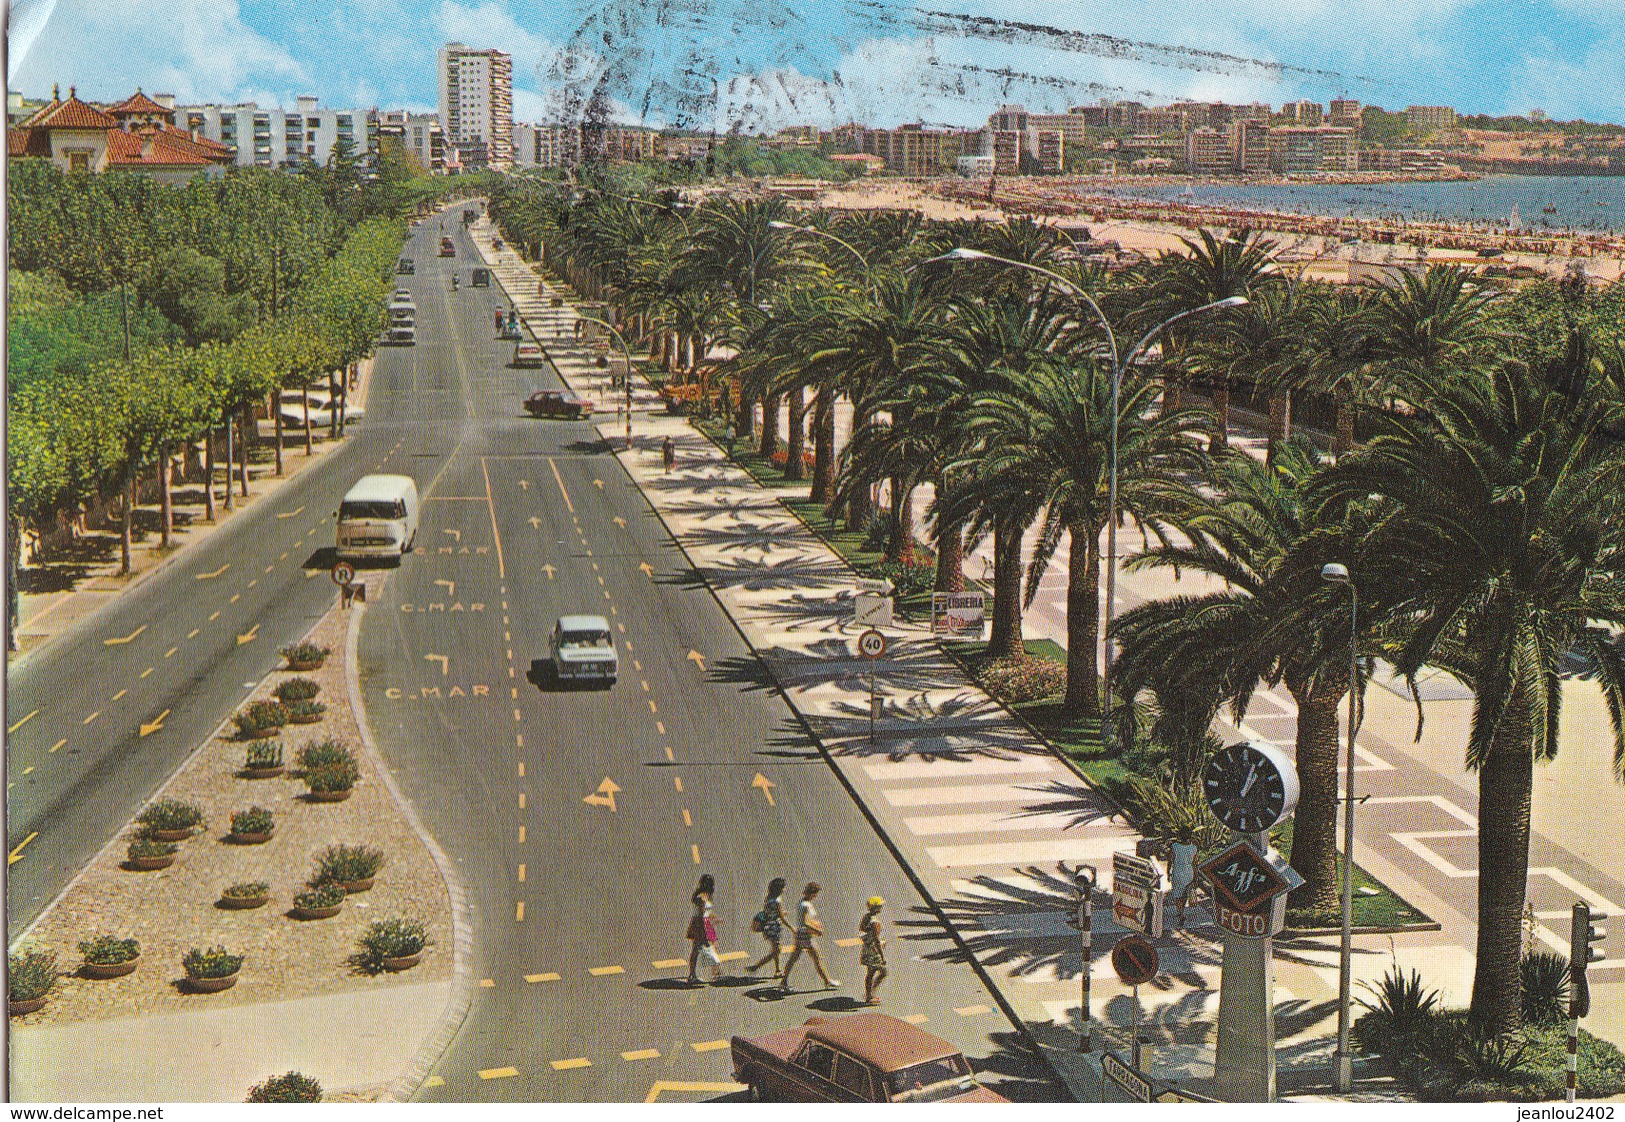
(769, 922)
(702, 931)
(808, 928)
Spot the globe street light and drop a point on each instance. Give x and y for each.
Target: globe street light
(1118, 367)
(1343, 1058)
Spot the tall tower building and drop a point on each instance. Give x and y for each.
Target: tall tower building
(476, 104)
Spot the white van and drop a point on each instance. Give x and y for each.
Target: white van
(378, 517)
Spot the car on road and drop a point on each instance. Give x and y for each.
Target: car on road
(447, 249)
(865, 1058)
(557, 403)
(481, 278)
(528, 355)
(405, 267)
(581, 649)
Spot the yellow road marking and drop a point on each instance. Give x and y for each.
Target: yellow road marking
(16, 855)
(534, 978)
(638, 666)
(687, 821)
(214, 616)
(520, 741)
(678, 780)
(23, 722)
(147, 671)
(669, 756)
(695, 850)
(487, 983)
(192, 634)
(710, 1045)
(847, 942)
(566, 1065)
(434, 1081)
(660, 727)
(253, 582)
(291, 513)
(622, 626)
(152, 726)
(664, 1085)
(269, 567)
(521, 835)
(59, 744)
(499, 1073)
(521, 872)
(521, 762)
(521, 800)
(652, 707)
(668, 963)
(128, 638)
(916, 1018)
(217, 572)
(731, 956)
(613, 610)
(28, 769)
(519, 912)
(972, 1010)
(568, 505)
(641, 1054)
(120, 694)
(605, 971)
(513, 692)
(606, 594)
(170, 651)
(284, 556)
(645, 686)
(235, 597)
(92, 717)
(516, 715)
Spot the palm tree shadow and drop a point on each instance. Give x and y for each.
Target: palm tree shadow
(1085, 806)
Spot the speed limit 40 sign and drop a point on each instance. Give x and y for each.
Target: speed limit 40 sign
(871, 644)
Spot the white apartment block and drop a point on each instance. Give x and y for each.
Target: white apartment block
(422, 136)
(476, 104)
(275, 138)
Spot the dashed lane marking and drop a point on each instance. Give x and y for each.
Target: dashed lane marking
(847, 942)
(499, 1073)
(214, 615)
(660, 727)
(695, 851)
(521, 835)
(434, 1081)
(972, 1010)
(534, 978)
(487, 983)
(120, 694)
(709, 1045)
(641, 1054)
(521, 873)
(566, 1065)
(92, 717)
(59, 744)
(24, 721)
(170, 651)
(519, 912)
(687, 821)
(192, 634)
(147, 671)
(916, 1018)
(668, 963)
(678, 780)
(605, 971)
(669, 755)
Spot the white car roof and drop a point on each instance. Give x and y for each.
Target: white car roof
(379, 488)
(583, 623)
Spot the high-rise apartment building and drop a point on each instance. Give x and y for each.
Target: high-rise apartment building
(1008, 118)
(1049, 149)
(274, 138)
(420, 134)
(1250, 146)
(1207, 151)
(1006, 151)
(1344, 113)
(1303, 112)
(1430, 118)
(476, 104)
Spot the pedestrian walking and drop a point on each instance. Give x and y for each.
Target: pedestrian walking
(732, 435)
(769, 923)
(499, 319)
(668, 454)
(702, 931)
(808, 928)
(873, 955)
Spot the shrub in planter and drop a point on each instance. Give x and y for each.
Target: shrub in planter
(297, 689)
(108, 956)
(248, 894)
(391, 941)
(167, 818)
(289, 1088)
(255, 822)
(33, 975)
(261, 718)
(321, 753)
(332, 779)
(212, 970)
(349, 865)
(1399, 1023)
(906, 579)
(1023, 679)
(145, 853)
(323, 900)
(305, 656)
(264, 757)
(305, 712)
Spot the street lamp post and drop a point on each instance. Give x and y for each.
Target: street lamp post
(1118, 367)
(1343, 1058)
(626, 356)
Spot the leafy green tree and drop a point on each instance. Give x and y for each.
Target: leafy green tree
(190, 289)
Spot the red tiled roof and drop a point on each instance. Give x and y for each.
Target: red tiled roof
(23, 141)
(125, 149)
(71, 114)
(138, 103)
(209, 149)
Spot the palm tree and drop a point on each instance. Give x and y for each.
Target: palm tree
(1334, 355)
(1048, 445)
(1499, 526)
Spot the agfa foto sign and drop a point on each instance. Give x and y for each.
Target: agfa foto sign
(959, 614)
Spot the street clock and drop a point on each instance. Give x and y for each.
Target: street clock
(1250, 787)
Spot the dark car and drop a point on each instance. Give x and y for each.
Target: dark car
(447, 249)
(405, 267)
(865, 1058)
(557, 403)
(481, 278)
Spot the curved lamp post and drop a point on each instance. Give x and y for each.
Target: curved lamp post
(625, 355)
(1119, 365)
(1344, 1059)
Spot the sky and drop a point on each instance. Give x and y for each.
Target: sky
(762, 64)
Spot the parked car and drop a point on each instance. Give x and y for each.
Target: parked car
(864, 1058)
(581, 649)
(405, 267)
(447, 249)
(528, 355)
(557, 403)
(292, 408)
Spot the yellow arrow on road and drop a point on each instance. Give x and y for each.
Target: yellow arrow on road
(291, 513)
(457, 534)
(598, 483)
(152, 726)
(697, 657)
(249, 635)
(444, 662)
(128, 638)
(451, 587)
(766, 785)
(16, 855)
(619, 521)
(605, 795)
(549, 570)
(217, 572)
(536, 523)
(648, 570)
(524, 484)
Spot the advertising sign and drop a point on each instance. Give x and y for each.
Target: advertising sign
(957, 614)
(1137, 894)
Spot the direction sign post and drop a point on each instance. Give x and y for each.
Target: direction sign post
(1135, 960)
(1125, 1076)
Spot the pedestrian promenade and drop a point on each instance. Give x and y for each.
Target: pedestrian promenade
(990, 823)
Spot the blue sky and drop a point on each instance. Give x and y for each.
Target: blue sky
(772, 62)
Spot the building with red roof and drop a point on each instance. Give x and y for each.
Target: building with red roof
(137, 134)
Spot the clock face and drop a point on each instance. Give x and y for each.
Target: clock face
(1250, 787)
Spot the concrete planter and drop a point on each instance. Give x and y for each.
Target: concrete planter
(351, 887)
(243, 903)
(148, 864)
(405, 962)
(171, 835)
(211, 985)
(318, 913)
(105, 970)
(262, 734)
(330, 796)
(251, 839)
(26, 1006)
(263, 772)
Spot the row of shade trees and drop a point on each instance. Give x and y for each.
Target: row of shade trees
(1471, 479)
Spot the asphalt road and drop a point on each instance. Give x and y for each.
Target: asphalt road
(580, 819)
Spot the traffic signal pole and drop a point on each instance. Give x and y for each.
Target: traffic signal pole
(1084, 881)
(1583, 932)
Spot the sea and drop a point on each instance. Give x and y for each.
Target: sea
(1519, 202)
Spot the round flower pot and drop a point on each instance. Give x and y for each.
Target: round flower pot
(302, 666)
(405, 962)
(251, 839)
(305, 718)
(170, 835)
(25, 1006)
(147, 864)
(261, 734)
(330, 796)
(243, 903)
(351, 887)
(318, 913)
(264, 772)
(211, 985)
(104, 970)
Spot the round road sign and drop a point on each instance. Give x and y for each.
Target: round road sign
(871, 644)
(343, 573)
(1135, 960)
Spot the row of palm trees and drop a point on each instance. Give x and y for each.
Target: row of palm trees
(1472, 485)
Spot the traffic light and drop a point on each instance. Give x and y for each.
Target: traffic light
(1583, 933)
